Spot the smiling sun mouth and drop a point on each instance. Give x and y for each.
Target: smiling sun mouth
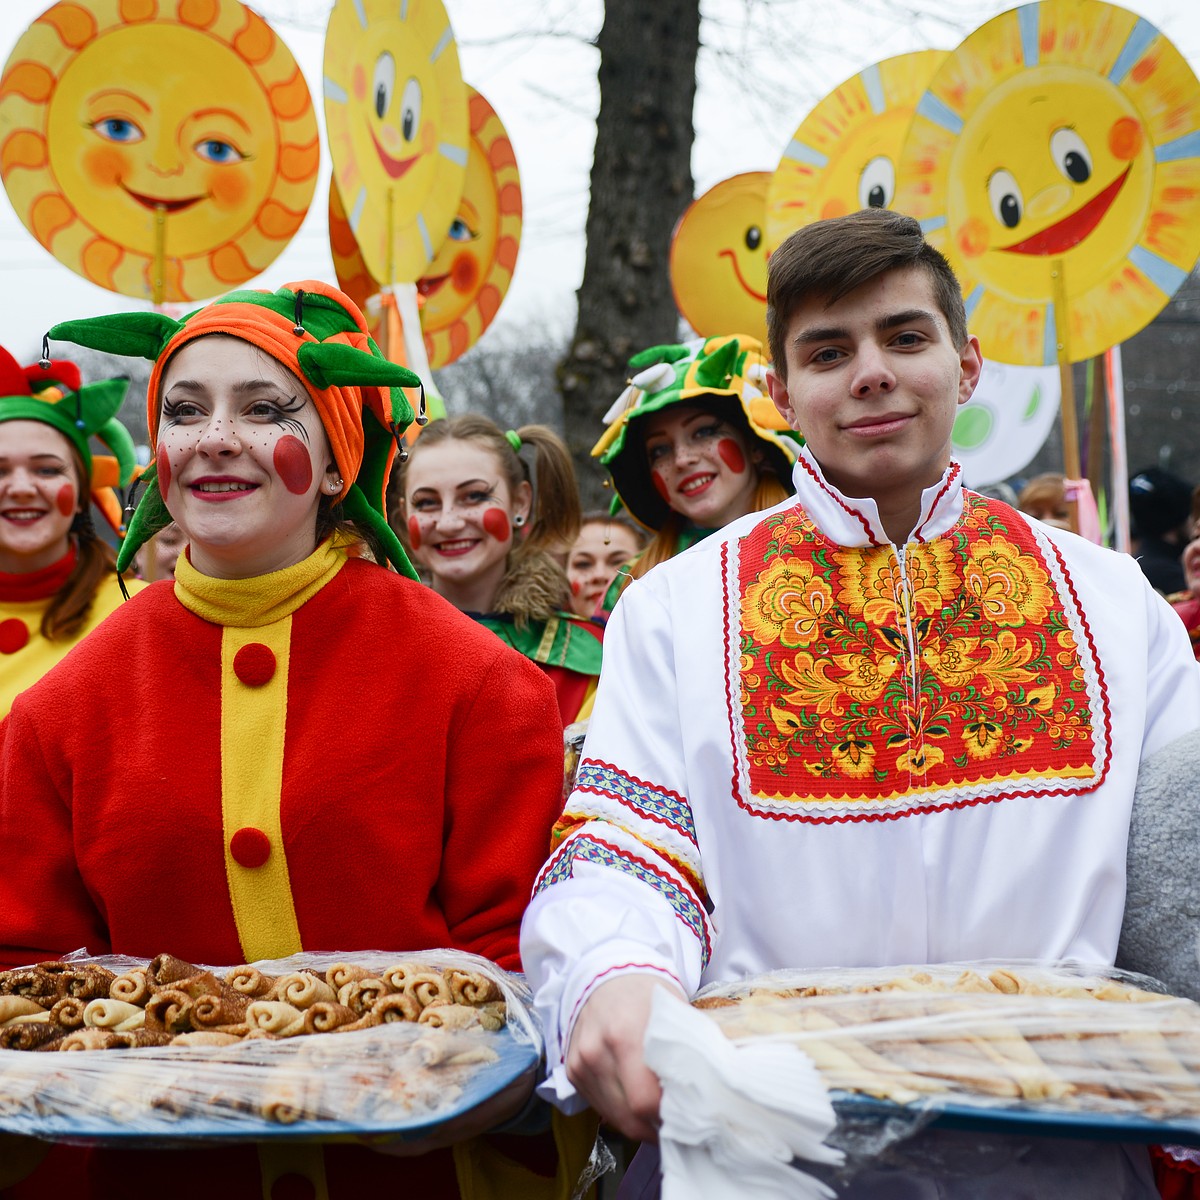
(729, 254)
(154, 202)
(1074, 227)
(395, 167)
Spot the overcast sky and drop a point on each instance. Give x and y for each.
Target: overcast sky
(765, 63)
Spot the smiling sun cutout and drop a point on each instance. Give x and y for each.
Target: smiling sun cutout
(465, 284)
(1066, 131)
(396, 112)
(718, 259)
(843, 155)
(103, 151)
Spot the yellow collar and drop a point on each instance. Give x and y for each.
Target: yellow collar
(262, 599)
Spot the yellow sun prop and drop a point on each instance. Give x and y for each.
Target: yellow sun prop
(468, 279)
(127, 126)
(1065, 131)
(396, 112)
(843, 155)
(718, 259)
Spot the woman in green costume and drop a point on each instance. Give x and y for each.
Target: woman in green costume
(491, 542)
(693, 443)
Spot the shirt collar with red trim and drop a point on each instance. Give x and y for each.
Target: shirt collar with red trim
(850, 521)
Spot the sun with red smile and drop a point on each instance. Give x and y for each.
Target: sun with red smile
(97, 142)
(396, 113)
(1063, 132)
(718, 258)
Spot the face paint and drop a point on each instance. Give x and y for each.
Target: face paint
(495, 523)
(660, 486)
(575, 585)
(293, 463)
(731, 455)
(66, 499)
(414, 533)
(163, 463)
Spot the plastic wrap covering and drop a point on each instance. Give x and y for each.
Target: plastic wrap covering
(361, 1043)
(1009, 1047)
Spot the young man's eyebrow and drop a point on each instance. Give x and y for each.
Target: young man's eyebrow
(834, 333)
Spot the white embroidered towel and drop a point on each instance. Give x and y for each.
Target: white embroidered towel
(735, 1117)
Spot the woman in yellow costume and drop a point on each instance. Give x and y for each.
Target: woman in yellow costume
(57, 576)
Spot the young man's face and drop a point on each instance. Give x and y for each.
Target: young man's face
(874, 383)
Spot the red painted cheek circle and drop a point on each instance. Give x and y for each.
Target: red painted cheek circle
(414, 533)
(14, 635)
(293, 464)
(65, 500)
(660, 486)
(163, 463)
(254, 664)
(250, 847)
(576, 587)
(495, 524)
(464, 274)
(731, 455)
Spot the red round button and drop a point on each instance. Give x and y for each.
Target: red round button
(250, 847)
(253, 664)
(293, 1187)
(14, 634)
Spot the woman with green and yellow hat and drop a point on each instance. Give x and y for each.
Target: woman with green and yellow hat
(57, 576)
(693, 443)
(286, 748)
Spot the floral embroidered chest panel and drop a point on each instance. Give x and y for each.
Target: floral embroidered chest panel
(868, 684)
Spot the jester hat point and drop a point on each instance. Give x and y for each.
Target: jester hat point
(318, 333)
(52, 393)
(723, 375)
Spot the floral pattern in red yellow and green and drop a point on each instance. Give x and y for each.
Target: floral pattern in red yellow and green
(871, 683)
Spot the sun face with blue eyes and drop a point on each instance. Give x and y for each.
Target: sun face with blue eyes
(396, 112)
(1053, 161)
(217, 156)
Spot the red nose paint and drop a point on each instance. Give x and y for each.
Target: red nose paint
(660, 486)
(164, 471)
(293, 464)
(731, 455)
(66, 499)
(414, 533)
(495, 523)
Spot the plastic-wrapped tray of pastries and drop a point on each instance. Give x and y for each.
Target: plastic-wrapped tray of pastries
(314, 1045)
(1057, 1049)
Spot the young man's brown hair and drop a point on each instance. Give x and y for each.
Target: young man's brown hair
(829, 259)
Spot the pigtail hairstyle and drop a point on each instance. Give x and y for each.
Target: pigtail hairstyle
(534, 585)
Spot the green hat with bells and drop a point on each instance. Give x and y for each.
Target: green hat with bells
(319, 334)
(721, 375)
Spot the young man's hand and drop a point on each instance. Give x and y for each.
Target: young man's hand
(605, 1060)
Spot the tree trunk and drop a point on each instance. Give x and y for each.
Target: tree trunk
(641, 183)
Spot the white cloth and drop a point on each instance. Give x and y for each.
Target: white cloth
(680, 861)
(735, 1117)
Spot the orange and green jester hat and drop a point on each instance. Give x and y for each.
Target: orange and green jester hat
(319, 334)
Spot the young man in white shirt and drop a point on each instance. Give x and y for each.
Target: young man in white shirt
(888, 721)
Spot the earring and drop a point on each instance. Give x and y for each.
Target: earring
(518, 520)
(335, 486)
